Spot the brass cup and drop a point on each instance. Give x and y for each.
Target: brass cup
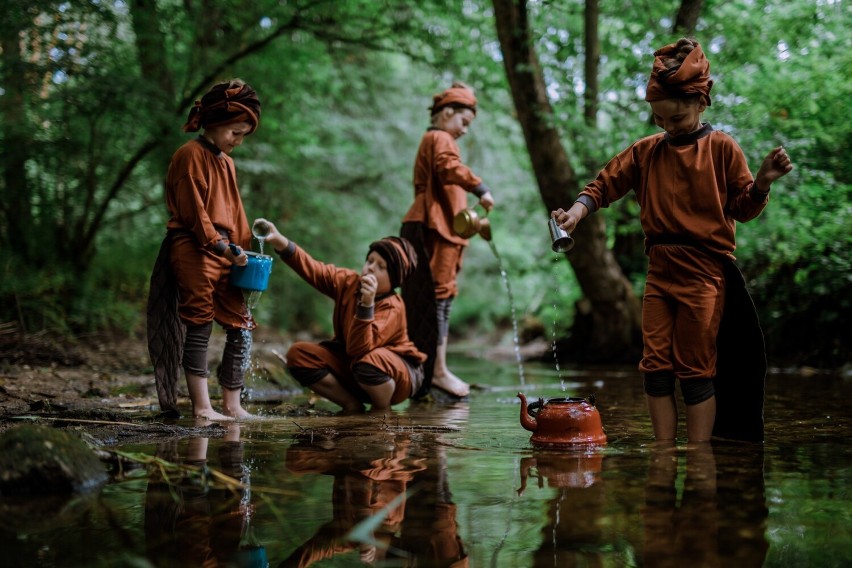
(468, 223)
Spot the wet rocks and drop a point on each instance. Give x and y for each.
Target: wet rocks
(36, 460)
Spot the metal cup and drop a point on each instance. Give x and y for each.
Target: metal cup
(260, 230)
(560, 240)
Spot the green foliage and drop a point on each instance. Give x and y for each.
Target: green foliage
(345, 87)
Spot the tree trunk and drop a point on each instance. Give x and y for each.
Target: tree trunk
(606, 326)
(15, 194)
(687, 16)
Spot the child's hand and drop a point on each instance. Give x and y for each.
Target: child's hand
(776, 164)
(487, 201)
(236, 255)
(368, 290)
(568, 220)
(278, 241)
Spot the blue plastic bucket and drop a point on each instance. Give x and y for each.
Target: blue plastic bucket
(254, 275)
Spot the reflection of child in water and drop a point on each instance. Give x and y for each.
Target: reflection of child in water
(719, 519)
(192, 523)
(410, 495)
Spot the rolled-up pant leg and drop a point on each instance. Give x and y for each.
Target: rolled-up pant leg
(310, 362)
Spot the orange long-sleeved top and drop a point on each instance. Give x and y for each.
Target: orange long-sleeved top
(441, 184)
(355, 326)
(694, 187)
(202, 195)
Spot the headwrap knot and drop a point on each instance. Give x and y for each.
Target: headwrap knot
(456, 96)
(400, 257)
(225, 103)
(691, 77)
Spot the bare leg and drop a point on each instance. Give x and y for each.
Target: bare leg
(200, 397)
(232, 405)
(443, 378)
(196, 450)
(380, 395)
(329, 388)
(700, 419)
(663, 411)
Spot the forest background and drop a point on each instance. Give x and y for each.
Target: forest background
(93, 95)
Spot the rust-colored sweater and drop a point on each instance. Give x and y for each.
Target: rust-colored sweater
(693, 187)
(203, 197)
(360, 329)
(441, 184)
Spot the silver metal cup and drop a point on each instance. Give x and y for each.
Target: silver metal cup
(560, 240)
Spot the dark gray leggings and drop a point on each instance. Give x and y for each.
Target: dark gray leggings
(236, 356)
(443, 308)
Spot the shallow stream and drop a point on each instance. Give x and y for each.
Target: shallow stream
(455, 485)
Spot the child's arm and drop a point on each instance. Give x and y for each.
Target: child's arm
(568, 220)
(278, 241)
(320, 275)
(775, 165)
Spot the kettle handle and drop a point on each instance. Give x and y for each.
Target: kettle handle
(535, 407)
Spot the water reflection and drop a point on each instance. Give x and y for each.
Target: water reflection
(719, 516)
(574, 534)
(391, 499)
(701, 505)
(456, 474)
(194, 522)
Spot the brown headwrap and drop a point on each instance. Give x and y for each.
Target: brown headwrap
(400, 257)
(457, 96)
(225, 103)
(670, 81)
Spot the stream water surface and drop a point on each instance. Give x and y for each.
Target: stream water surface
(460, 485)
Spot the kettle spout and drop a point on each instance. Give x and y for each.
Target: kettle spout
(527, 421)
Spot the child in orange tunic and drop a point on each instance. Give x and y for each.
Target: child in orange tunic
(692, 184)
(370, 359)
(441, 185)
(195, 260)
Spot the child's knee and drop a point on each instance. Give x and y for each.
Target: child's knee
(369, 375)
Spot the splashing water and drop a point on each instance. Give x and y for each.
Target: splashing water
(555, 352)
(553, 336)
(251, 298)
(505, 278)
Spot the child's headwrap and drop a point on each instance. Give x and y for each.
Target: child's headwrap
(691, 78)
(400, 257)
(225, 103)
(456, 96)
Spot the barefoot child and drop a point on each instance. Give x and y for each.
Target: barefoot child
(189, 286)
(441, 185)
(370, 359)
(692, 184)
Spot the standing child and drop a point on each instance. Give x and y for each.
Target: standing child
(370, 359)
(191, 275)
(441, 184)
(692, 184)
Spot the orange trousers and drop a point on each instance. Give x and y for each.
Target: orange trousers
(332, 357)
(204, 291)
(445, 261)
(681, 311)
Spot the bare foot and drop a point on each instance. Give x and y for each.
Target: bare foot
(450, 383)
(209, 414)
(350, 410)
(239, 413)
